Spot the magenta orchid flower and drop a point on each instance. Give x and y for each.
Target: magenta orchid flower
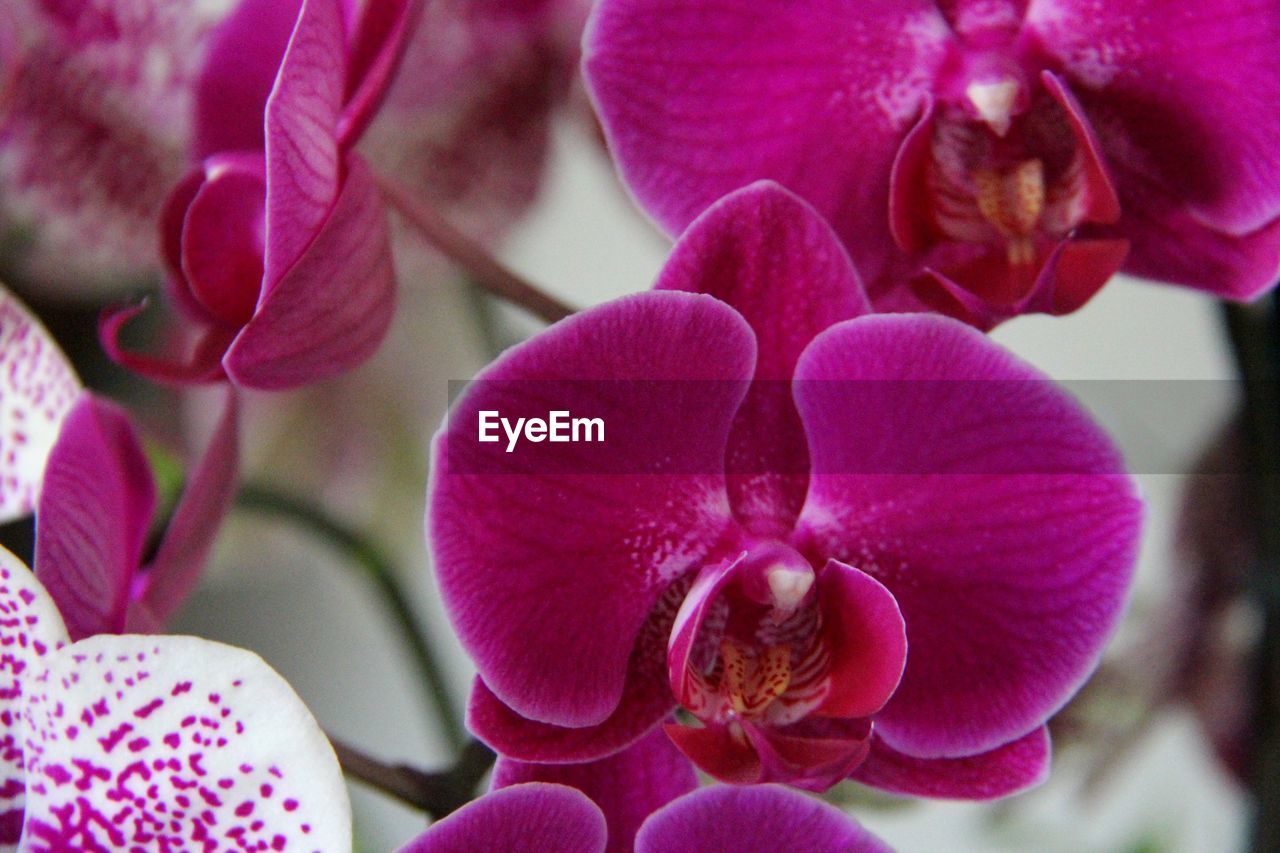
(1013, 151)
(539, 816)
(277, 244)
(38, 387)
(153, 743)
(96, 126)
(892, 557)
(95, 513)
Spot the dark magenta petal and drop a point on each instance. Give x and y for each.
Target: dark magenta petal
(691, 616)
(1005, 770)
(758, 819)
(1179, 91)
(240, 70)
(303, 161)
(863, 629)
(375, 50)
(93, 517)
(628, 786)
(180, 558)
(813, 754)
(202, 362)
(991, 506)
(332, 308)
(815, 95)
(1101, 204)
(778, 263)
(595, 551)
(223, 235)
(532, 818)
(646, 701)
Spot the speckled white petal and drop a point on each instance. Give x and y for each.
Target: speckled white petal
(30, 628)
(165, 743)
(37, 389)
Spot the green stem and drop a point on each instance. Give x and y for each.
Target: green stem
(379, 570)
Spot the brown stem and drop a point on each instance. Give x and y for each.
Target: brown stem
(437, 794)
(473, 258)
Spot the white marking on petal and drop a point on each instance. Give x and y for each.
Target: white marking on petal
(994, 102)
(37, 389)
(788, 586)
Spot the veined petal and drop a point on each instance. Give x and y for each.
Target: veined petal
(547, 571)
(1182, 88)
(991, 506)
(1001, 772)
(757, 819)
(38, 389)
(201, 740)
(93, 518)
(303, 162)
(771, 256)
(701, 98)
(30, 629)
(536, 817)
(627, 786)
(333, 307)
(181, 556)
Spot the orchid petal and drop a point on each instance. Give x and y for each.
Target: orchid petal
(94, 516)
(39, 389)
(770, 255)
(30, 629)
(1001, 772)
(592, 552)
(815, 95)
(813, 754)
(181, 556)
(377, 46)
(991, 506)
(757, 819)
(867, 639)
(1184, 89)
(203, 362)
(627, 786)
(333, 307)
(130, 740)
(303, 161)
(241, 66)
(532, 818)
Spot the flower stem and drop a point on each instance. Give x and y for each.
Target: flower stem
(378, 569)
(474, 259)
(437, 794)
(1254, 331)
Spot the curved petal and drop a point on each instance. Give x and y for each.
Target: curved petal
(333, 307)
(240, 70)
(1183, 86)
(203, 362)
(991, 506)
(94, 516)
(532, 818)
(1001, 772)
(195, 736)
(548, 570)
(865, 633)
(701, 98)
(303, 162)
(757, 819)
(30, 629)
(38, 387)
(771, 256)
(377, 45)
(627, 786)
(180, 559)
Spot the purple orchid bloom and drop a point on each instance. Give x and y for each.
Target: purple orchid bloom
(1013, 151)
(38, 387)
(96, 510)
(892, 556)
(277, 244)
(152, 743)
(538, 816)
